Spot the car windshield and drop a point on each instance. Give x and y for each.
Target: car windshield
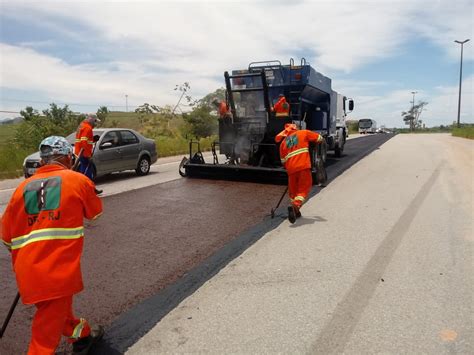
(365, 123)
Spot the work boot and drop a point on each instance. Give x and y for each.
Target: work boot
(83, 345)
(297, 212)
(291, 214)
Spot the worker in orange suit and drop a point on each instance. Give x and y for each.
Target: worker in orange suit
(223, 109)
(43, 227)
(85, 141)
(281, 108)
(295, 157)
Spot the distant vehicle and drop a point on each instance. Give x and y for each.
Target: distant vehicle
(117, 149)
(367, 125)
(382, 129)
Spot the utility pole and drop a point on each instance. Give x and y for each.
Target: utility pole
(412, 124)
(460, 80)
(126, 103)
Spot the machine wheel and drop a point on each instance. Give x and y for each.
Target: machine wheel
(338, 151)
(321, 174)
(323, 152)
(181, 169)
(339, 146)
(143, 166)
(318, 164)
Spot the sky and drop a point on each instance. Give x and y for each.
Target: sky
(121, 54)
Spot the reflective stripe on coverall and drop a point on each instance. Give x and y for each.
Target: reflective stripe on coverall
(52, 319)
(84, 139)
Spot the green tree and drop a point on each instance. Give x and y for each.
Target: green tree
(201, 123)
(56, 120)
(219, 95)
(102, 114)
(184, 89)
(145, 113)
(412, 116)
(29, 113)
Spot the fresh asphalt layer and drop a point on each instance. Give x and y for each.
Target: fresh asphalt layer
(129, 327)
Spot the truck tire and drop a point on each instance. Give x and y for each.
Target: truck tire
(317, 164)
(323, 152)
(339, 147)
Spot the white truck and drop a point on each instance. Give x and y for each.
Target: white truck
(367, 125)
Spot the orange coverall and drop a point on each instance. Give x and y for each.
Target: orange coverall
(294, 154)
(84, 139)
(224, 110)
(43, 228)
(282, 108)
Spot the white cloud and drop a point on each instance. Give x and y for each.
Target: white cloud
(156, 45)
(441, 109)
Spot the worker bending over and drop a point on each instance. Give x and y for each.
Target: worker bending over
(281, 108)
(43, 228)
(223, 109)
(295, 157)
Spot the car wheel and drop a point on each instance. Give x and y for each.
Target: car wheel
(143, 166)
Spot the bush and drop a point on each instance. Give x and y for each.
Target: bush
(169, 146)
(11, 161)
(200, 122)
(353, 126)
(55, 121)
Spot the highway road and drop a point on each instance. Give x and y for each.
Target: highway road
(151, 237)
(186, 240)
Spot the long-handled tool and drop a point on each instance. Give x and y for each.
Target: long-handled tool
(9, 315)
(96, 139)
(75, 167)
(278, 205)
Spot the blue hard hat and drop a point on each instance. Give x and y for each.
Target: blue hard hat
(54, 145)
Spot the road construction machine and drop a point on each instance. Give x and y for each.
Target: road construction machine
(246, 149)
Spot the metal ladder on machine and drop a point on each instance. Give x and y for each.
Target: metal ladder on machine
(294, 98)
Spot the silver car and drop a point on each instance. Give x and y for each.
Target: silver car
(116, 149)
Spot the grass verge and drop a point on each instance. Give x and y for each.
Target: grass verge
(464, 132)
(11, 161)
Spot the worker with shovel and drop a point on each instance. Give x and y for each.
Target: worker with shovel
(85, 141)
(295, 157)
(43, 228)
(84, 146)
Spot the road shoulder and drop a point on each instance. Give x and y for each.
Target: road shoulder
(298, 289)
